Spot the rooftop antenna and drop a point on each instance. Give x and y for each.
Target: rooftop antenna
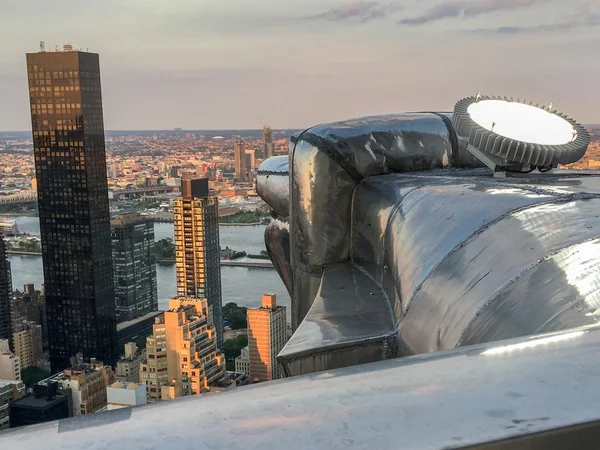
(42, 46)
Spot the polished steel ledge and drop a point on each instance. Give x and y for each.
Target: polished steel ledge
(528, 393)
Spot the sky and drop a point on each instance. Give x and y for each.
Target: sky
(222, 64)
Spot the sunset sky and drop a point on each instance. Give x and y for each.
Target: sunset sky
(201, 64)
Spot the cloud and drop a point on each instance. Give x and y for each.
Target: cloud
(487, 6)
(360, 11)
(438, 12)
(472, 8)
(583, 19)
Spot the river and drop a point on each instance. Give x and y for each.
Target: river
(241, 285)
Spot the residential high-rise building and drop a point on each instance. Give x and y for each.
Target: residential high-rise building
(268, 142)
(10, 364)
(197, 249)
(249, 165)
(70, 164)
(267, 335)
(134, 263)
(182, 357)
(239, 154)
(5, 293)
(28, 344)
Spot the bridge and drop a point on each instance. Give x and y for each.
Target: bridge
(26, 196)
(257, 264)
(144, 192)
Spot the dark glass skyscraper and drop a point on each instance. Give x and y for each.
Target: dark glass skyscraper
(5, 293)
(70, 163)
(134, 266)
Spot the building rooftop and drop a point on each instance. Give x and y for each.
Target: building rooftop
(38, 402)
(129, 323)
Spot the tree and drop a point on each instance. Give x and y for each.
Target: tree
(32, 375)
(233, 347)
(237, 316)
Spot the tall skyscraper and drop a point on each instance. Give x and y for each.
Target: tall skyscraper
(182, 357)
(268, 142)
(197, 250)
(248, 165)
(239, 153)
(70, 163)
(134, 266)
(267, 335)
(5, 293)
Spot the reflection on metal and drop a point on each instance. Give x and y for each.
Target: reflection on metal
(401, 244)
(535, 398)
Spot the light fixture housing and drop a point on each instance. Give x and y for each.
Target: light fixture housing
(508, 133)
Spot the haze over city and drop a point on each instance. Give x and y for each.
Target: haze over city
(219, 65)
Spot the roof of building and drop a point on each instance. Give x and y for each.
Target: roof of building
(149, 316)
(38, 402)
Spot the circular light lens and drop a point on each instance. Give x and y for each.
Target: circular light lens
(522, 122)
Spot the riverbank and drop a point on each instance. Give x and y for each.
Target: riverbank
(16, 252)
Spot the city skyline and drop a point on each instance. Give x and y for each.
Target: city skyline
(358, 58)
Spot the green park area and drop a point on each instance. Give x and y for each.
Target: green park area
(244, 217)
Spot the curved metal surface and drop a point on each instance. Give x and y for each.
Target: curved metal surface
(326, 164)
(520, 394)
(454, 255)
(273, 184)
(277, 241)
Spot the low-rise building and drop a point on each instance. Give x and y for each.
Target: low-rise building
(10, 391)
(86, 384)
(128, 367)
(125, 395)
(242, 362)
(46, 404)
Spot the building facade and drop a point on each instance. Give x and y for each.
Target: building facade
(128, 367)
(87, 385)
(242, 362)
(10, 364)
(10, 391)
(249, 165)
(70, 164)
(28, 344)
(46, 404)
(181, 354)
(29, 306)
(134, 263)
(267, 335)
(197, 248)
(239, 156)
(5, 293)
(268, 142)
(125, 395)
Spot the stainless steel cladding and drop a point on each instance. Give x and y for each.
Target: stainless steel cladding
(400, 246)
(273, 184)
